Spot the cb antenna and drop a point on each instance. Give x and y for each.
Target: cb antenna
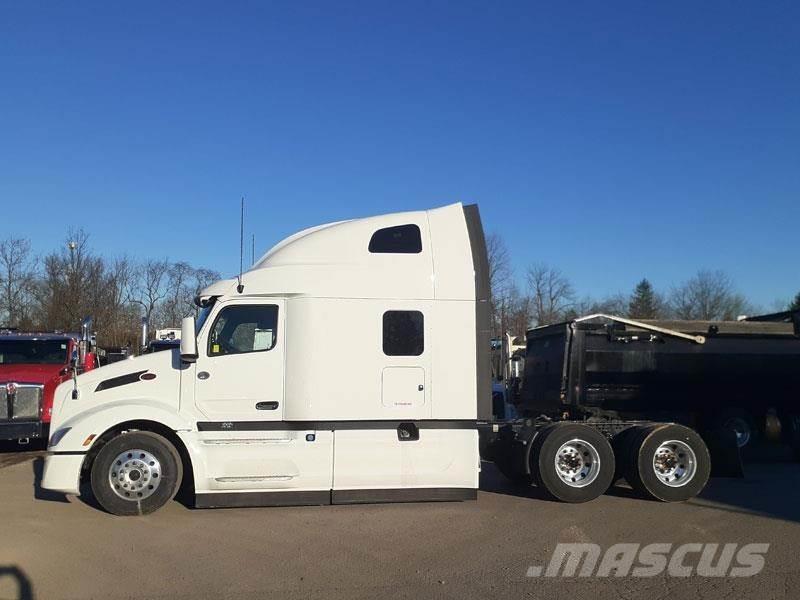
(240, 287)
(253, 249)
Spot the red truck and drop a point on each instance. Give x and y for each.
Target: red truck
(32, 365)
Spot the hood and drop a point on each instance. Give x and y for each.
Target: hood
(155, 360)
(116, 385)
(30, 373)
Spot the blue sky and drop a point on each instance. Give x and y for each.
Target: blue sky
(611, 140)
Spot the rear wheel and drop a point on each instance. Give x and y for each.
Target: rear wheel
(668, 462)
(741, 423)
(793, 434)
(136, 473)
(572, 462)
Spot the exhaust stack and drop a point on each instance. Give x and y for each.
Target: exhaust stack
(83, 344)
(145, 333)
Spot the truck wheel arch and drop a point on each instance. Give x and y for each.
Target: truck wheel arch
(186, 490)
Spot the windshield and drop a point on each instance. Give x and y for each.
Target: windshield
(202, 316)
(33, 352)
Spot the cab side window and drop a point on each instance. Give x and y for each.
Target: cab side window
(244, 328)
(401, 239)
(403, 333)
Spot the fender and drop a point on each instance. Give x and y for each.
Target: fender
(102, 417)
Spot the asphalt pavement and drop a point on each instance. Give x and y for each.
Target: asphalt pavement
(54, 547)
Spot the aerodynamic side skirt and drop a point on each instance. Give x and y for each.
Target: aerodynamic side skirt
(322, 497)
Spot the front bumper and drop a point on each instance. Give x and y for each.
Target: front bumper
(15, 430)
(62, 472)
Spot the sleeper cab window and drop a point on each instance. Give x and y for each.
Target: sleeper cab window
(244, 328)
(401, 239)
(403, 333)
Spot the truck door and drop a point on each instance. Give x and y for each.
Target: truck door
(239, 390)
(239, 369)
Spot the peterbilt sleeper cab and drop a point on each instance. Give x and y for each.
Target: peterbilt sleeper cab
(350, 364)
(346, 366)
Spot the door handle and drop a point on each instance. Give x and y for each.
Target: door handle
(271, 405)
(203, 375)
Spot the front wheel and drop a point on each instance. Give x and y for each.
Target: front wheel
(572, 462)
(136, 473)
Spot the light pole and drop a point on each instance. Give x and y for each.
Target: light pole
(71, 278)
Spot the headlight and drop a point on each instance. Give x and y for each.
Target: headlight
(59, 435)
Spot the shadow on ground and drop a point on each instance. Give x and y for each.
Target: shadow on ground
(14, 577)
(38, 491)
(770, 487)
(12, 453)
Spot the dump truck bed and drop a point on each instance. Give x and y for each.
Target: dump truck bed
(614, 370)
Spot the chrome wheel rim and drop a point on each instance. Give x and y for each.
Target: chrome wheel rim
(742, 430)
(577, 463)
(674, 463)
(135, 474)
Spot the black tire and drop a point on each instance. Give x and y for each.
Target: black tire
(641, 471)
(792, 435)
(545, 448)
(165, 480)
(741, 422)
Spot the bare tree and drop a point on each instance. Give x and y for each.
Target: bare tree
(519, 311)
(17, 272)
(500, 272)
(500, 282)
(615, 304)
(181, 291)
(709, 295)
(72, 282)
(551, 294)
(151, 286)
(116, 317)
(71, 285)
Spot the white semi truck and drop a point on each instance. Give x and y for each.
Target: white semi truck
(350, 364)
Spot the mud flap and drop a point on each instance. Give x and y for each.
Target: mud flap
(510, 454)
(726, 460)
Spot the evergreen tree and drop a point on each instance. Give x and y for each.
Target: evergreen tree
(643, 303)
(795, 305)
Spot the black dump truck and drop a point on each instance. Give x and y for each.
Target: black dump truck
(648, 387)
(739, 375)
